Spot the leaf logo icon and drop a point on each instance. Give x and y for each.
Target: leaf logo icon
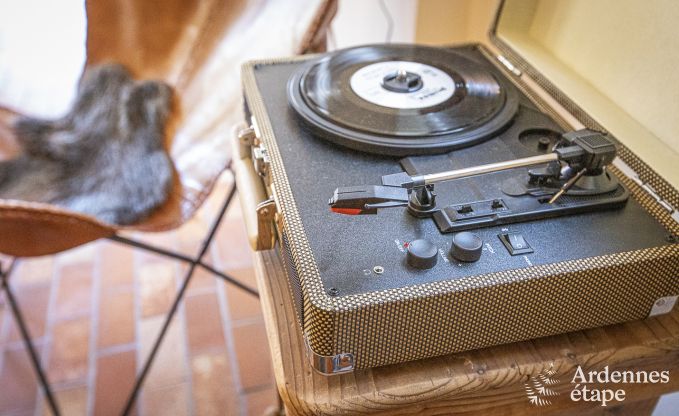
(537, 387)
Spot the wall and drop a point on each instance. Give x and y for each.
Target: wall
(453, 21)
(616, 58)
(627, 49)
(363, 21)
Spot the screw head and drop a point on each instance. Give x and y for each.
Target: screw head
(378, 269)
(333, 291)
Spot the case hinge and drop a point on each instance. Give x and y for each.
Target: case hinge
(505, 62)
(624, 167)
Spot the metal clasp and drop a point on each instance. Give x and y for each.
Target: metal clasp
(262, 162)
(329, 364)
(266, 234)
(251, 139)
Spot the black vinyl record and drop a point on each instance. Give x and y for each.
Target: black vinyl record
(401, 99)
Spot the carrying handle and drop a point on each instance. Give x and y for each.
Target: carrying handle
(258, 208)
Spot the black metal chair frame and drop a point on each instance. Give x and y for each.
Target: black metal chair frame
(193, 262)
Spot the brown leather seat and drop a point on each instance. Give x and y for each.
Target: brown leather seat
(197, 46)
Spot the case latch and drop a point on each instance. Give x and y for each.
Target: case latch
(260, 157)
(252, 138)
(251, 168)
(266, 234)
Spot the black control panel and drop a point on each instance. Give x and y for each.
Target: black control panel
(410, 251)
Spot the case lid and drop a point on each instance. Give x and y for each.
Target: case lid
(617, 59)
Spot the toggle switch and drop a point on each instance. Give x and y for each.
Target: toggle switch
(515, 243)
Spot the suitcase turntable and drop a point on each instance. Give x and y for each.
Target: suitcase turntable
(502, 225)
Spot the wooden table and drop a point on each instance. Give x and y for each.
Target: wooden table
(489, 381)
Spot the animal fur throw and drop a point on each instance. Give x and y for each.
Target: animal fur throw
(105, 158)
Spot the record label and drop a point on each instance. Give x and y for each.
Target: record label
(436, 85)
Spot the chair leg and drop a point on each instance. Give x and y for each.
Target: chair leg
(159, 340)
(26, 337)
(175, 305)
(230, 279)
(182, 257)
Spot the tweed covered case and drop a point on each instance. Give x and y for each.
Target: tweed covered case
(396, 325)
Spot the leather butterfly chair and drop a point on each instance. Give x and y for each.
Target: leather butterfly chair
(197, 47)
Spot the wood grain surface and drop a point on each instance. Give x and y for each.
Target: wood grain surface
(489, 381)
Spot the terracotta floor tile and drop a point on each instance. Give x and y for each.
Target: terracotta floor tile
(82, 254)
(252, 353)
(242, 305)
(143, 257)
(170, 366)
(244, 275)
(234, 212)
(124, 274)
(74, 295)
(34, 271)
(214, 392)
(191, 236)
(166, 240)
(204, 323)
(18, 383)
(33, 302)
(217, 197)
(234, 254)
(202, 279)
(116, 318)
(115, 378)
(71, 401)
(69, 350)
(258, 402)
(166, 401)
(117, 264)
(157, 287)
(3, 313)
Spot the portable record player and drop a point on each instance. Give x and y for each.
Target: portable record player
(435, 200)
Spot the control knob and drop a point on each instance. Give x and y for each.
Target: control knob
(466, 247)
(422, 254)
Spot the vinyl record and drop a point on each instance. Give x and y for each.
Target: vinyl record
(401, 99)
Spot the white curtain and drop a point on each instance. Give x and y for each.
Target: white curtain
(42, 54)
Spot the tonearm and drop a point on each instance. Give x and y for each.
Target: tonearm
(579, 153)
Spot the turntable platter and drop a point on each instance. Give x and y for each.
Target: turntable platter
(401, 99)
